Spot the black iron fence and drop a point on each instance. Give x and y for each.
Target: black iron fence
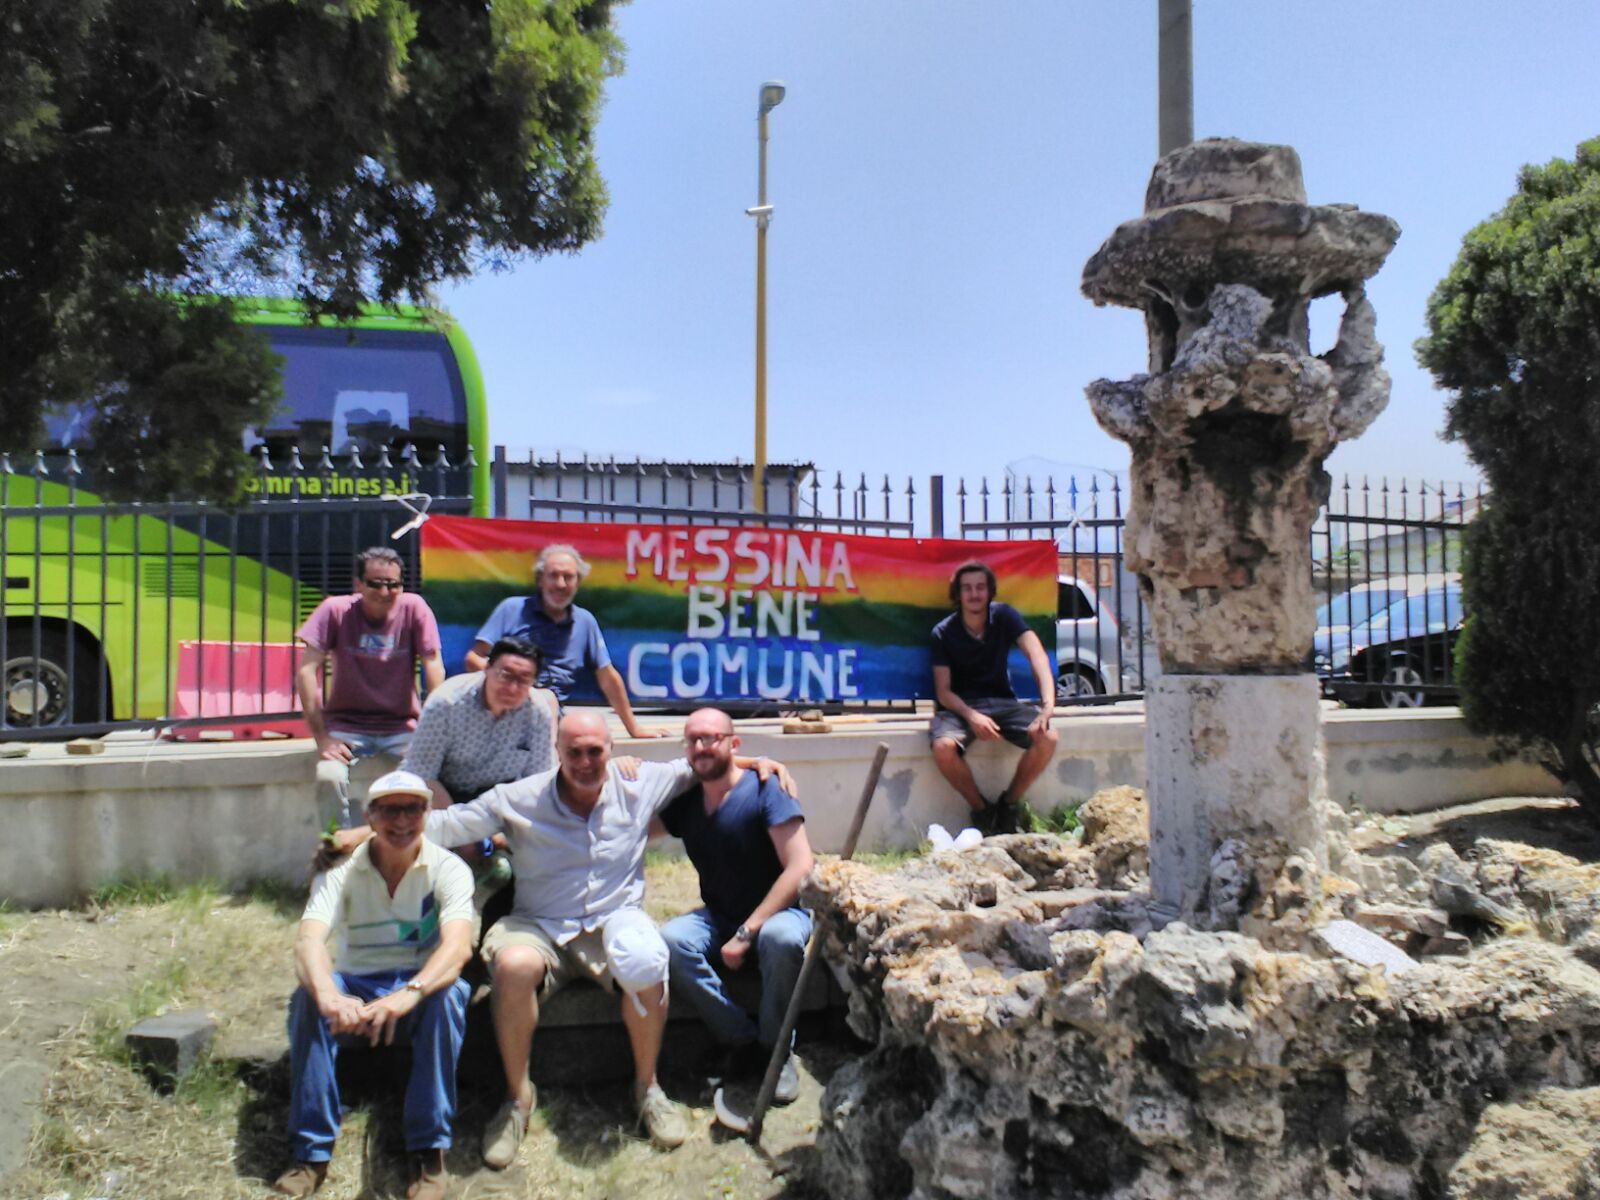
(182, 613)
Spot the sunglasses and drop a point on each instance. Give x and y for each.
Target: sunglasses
(391, 812)
(387, 585)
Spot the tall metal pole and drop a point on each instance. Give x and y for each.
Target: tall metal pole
(763, 215)
(1175, 55)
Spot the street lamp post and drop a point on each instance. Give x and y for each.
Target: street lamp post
(771, 97)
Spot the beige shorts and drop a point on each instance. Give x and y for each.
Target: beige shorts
(627, 933)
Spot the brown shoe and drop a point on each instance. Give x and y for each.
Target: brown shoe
(428, 1176)
(301, 1179)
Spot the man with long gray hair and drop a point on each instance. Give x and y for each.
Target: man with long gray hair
(567, 635)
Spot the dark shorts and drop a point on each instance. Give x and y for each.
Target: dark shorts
(1013, 717)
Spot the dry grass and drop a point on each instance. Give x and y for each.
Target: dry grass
(105, 1131)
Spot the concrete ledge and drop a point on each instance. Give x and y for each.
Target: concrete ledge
(237, 812)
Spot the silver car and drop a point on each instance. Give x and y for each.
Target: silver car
(1096, 654)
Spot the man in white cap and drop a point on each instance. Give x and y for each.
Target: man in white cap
(401, 907)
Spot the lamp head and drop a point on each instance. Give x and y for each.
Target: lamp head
(771, 96)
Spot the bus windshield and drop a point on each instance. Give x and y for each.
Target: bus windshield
(367, 389)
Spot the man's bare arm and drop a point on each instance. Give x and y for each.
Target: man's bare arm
(1033, 650)
(477, 658)
(609, 680)
(982, 726)
(794, 852)
(432, 671)
(441, 970)
(308, 683)
(313, 966)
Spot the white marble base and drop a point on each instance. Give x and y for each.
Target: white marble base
(1229, 756)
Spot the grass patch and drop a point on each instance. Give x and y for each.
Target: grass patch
(151, 890)
(888, 860)
(1059, 821)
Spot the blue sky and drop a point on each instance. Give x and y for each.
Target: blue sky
(941, 169)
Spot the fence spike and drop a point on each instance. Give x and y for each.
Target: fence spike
(961, 487)
(355, 457)
(325, 463)
(638, 465)
(911, 486)
(5, 464)
(39, 469)
(294, 458)
(385, 463)
(73, 469)
(471, 459)
(441, 460)
(263, 458)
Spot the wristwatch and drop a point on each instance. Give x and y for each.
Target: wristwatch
(416, 986)
(743, 934)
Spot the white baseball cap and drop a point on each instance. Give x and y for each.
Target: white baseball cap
(399, 783)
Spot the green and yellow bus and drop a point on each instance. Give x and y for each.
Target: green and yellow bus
(115, 613)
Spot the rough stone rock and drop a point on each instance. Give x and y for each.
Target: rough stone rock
(1040, 1055)
(1116, 827)
(1541, 1148)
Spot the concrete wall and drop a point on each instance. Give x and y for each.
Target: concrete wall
(236, 812)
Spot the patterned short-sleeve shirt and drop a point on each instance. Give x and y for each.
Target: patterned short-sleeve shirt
(467, 748)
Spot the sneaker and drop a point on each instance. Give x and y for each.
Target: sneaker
(301, 1179)
(428, 1176)
(788, 1089)
(504, 1134)
(661, 1118)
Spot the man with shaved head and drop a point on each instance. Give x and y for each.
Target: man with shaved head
(578, 836)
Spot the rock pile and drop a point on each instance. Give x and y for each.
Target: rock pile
(1032, 1036)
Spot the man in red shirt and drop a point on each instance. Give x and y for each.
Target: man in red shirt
(373, 640)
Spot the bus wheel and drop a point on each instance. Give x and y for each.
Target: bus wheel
(38, 691)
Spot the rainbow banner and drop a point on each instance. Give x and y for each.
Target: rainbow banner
(700, 612)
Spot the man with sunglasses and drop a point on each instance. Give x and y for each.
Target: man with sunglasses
(400, 908)
(372, 640)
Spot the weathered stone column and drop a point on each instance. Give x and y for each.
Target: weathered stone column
(1229, 431)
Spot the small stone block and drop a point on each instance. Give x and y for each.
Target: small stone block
(85, 746)
(170, 1045)
(801, 725)
(15, 750)
(1349, 940)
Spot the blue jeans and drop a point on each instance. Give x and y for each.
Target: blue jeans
(362, 745)
(695, 941)
(434, 1029)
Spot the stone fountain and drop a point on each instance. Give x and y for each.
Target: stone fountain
(1159, 1012)
(1228, 433)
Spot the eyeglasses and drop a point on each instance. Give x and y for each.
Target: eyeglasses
(387, 585)
(511, 678)
(392, 812)
(708, 740)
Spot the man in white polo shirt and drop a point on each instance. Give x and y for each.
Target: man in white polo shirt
(401, 907)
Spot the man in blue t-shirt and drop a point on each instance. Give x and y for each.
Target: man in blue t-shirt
(974, 696)
(747, 839)
(568, 636)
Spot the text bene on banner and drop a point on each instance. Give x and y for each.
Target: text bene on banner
(761, 639)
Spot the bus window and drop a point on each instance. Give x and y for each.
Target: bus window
(371, 388)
